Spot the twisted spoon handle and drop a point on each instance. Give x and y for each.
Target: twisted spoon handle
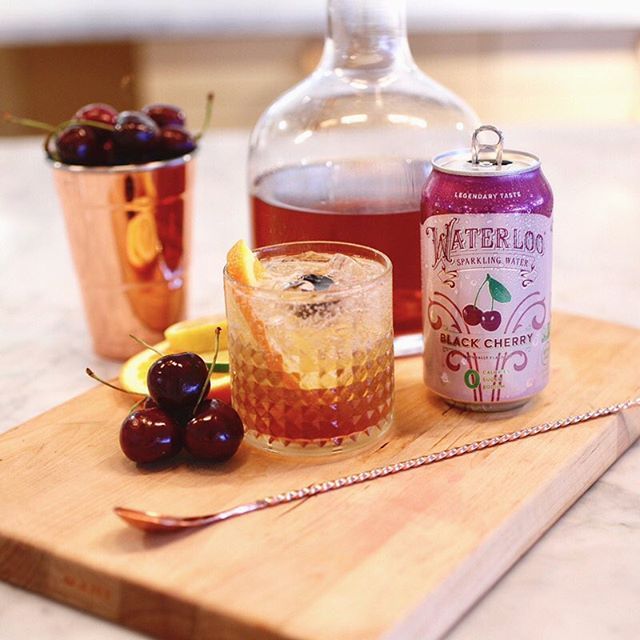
(421, 461)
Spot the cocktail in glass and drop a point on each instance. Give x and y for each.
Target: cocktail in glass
(311, 348)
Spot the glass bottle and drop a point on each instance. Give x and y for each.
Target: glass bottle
(343, 155)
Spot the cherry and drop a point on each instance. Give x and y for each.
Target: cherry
(135, 136)
(472, 315)
(80, 144)
(215, 432)
(174, 141)
(182, 415)
(104, 114)
(175, 382)
(491, 320)
(99, 135)
(149, 435)
(98, 112)
(165, 114)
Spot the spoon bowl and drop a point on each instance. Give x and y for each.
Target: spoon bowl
(153, 522)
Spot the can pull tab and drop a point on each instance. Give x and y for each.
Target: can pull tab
(495, 149)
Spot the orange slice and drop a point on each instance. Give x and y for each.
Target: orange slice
(243, 266)
(221, 387)
(133, 375)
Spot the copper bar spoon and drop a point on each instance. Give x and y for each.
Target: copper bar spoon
(156, 522)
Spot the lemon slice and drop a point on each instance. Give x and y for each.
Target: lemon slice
(197, 335)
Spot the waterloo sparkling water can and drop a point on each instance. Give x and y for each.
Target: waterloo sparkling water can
(486, 231)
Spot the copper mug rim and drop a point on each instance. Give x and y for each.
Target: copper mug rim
(123, 168)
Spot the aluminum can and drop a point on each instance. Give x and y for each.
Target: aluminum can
(486, 234)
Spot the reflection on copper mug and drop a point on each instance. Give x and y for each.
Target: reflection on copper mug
(129, 229)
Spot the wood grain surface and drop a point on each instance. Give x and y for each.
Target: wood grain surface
(401, 557)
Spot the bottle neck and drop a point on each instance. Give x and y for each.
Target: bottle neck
(366, 35)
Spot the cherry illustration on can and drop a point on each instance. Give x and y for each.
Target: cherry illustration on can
(486, 239)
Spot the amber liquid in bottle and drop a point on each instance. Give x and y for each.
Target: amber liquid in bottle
(387, 222)
(344, 154)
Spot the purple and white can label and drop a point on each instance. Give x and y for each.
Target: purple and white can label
(486, 237)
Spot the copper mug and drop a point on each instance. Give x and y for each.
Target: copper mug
(129, 228)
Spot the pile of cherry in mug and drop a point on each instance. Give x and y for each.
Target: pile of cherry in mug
(99, 135)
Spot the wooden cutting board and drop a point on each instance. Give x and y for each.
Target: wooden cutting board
(401, 557)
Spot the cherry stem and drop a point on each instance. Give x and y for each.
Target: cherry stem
(135, 405)
(36, 124)
(207, 116)
(84, 123)
(27, 122)
(211, 368)
(53, 131)
(88, 123)
(475, 302)
(146, 345)
(96, 377)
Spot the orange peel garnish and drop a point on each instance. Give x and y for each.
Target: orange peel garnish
(244, 267)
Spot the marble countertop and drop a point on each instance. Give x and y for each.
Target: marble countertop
(581, 580)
